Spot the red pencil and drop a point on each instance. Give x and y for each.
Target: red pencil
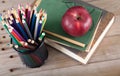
(17, 38)
(16, 34)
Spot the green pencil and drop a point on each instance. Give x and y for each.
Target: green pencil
(43, 21)
(13, 38)
(41, 36)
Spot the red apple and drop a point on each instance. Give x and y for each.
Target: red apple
(76, 21)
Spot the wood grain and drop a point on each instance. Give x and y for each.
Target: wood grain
(104, 62)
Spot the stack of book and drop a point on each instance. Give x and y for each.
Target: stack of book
(78, 48)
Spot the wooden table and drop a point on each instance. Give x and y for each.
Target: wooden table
(104, 62)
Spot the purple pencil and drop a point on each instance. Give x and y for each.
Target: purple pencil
(28, 16)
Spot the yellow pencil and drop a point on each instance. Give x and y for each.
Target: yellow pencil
(65, 38)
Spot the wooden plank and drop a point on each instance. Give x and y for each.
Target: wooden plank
(4, 38)
(105, 51)
(4, 47)
(58, 60)
(2, 29)
(96, 69)
(114, 30)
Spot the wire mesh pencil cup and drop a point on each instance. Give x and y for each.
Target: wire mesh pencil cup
(34, 58)
(24, 25)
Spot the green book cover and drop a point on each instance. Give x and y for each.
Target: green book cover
(55, 10)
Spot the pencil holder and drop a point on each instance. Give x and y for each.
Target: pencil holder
(34, 58)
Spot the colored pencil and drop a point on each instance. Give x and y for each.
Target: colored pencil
(16, 35)
(19, 11)
(16, 16)
(21, 48)
(41, 36)
(39, 29)
(43, 21)
(28, 16)
(32, 28)
(25, 26)
(22, 30)
(26, 11)
(27, 29)
(36, 26)
(13, 24)
(26, 45)
(13, 38)
(33, 42)
(31, 17)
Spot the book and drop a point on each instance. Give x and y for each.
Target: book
(83, 57)
(106, 21)
(54, 29)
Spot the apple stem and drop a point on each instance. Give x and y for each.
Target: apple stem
(78, 18)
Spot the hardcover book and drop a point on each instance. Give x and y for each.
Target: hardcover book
(53, 26)
(56, 37)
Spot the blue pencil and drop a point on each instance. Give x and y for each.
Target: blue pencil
(31, 17)
(23, 32)
(32, 27)
(27, 29)
(14, 24)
